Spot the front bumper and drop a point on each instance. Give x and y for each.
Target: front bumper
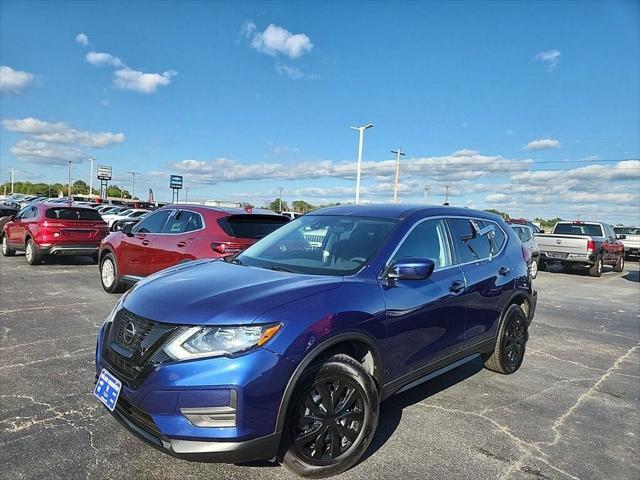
(156, 408)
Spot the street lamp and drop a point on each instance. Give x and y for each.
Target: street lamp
(91, 159)
(360, 142)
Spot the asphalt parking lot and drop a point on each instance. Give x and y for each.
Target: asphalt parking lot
(572, 410)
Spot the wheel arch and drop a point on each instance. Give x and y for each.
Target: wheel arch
(359, 345)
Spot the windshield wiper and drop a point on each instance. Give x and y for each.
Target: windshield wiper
(236, 261)
(281, 269)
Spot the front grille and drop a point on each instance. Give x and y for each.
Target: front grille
(133, 346)
(137, 416)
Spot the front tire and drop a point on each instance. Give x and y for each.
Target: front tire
(596, 269)
(109, 275)
(511, 342)
(32, 254)
(619, 266)
(332, 418)
(7, 251)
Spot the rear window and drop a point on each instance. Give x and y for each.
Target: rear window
(66, 213)
(251, 226)
(591, 230)
(627, 230)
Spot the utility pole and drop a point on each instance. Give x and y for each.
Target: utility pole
(280, 200)
(12, 180)
(186, 194)
(359, 167)
(446, 194)
(69, 181)
(398, 153)
(133, 182)
(426, 191)
(91, 159)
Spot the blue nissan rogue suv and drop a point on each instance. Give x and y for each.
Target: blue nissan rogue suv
(286, 351)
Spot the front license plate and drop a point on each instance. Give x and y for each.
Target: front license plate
(107, 389)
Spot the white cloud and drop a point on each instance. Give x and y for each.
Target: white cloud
(128, 79)
(542, 143)
(60, 132)
(294, 73)
(101, 58)
(44, 153)
(82, 39)
(13, 81)
(276, 40)
(497, 198)
(550, 58)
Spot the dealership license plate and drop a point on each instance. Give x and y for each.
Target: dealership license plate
(107, 389)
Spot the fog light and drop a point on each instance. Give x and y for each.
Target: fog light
(211, 417)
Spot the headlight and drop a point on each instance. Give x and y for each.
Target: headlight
(195, 342)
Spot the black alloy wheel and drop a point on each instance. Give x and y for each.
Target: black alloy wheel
(514, 341)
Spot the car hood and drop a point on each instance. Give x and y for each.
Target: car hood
(220, 293)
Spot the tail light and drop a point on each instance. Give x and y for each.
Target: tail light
(526, 254)
(591, 246)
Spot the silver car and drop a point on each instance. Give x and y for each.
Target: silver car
(526, 235)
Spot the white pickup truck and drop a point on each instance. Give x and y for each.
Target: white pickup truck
(631, 240)
(586, 244)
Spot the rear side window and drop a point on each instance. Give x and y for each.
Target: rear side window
(183, 221)
(67, 213)
(251, 226)
(471, 246)
(153, 223)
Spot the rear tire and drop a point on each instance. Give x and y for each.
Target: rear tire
(619, 266)
(7, 251)
(542, 266)
(32, 254)
(332, 418)
(109, 275)
(511, 342)
(533, 268)
(596, 269)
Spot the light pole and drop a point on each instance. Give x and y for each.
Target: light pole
(426, 191)
(446, 194)
(359, 168)
(280, 200)
(12, 180)
(395, 184)
(69, 181)
(91, 159)
(186, 195)
(133, 182)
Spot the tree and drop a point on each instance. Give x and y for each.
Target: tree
(275, 206)
(302, 206)
(116, 191)
(504, 215)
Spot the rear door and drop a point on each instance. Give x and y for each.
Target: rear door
(425, 318)
(135, 252)
(487, 272)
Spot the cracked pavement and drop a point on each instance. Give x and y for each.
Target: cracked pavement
(571, 412)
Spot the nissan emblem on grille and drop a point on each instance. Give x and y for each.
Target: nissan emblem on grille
(129, 333)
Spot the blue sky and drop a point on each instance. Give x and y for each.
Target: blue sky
(523, 106)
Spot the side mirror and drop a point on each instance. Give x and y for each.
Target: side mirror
(621, 236)
(127, 229)
(411, 268)
(541, 230)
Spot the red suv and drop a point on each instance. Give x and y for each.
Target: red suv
(54, 229)
(175, 234)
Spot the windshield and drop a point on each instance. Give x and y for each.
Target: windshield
(319, 245)
(627, 230)
(587, 229)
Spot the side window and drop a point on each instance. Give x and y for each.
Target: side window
(468, 244)
(32, 212)
(154, 223)
(427, 240)
(499, 237)
(23, 213)
(183, 221)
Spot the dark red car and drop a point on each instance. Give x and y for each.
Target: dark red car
(175, 234)
(54, 229)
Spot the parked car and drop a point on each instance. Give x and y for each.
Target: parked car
(290, 348)
(587, 244)
(53, 229)
(524, 221)
(178, 233)
(630, 237)
(526, 235)
(118, 225)
(6, 212)
(111, 218)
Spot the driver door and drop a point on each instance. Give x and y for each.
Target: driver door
(135, 251)
(425, 319)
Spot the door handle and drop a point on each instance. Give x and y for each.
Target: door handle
(504, 271)
(145, 242)
(181, 244)
(456, 287)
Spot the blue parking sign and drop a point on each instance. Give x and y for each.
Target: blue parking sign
(107, 389)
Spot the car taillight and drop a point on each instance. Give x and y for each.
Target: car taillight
(591, 246)
(526, 254)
